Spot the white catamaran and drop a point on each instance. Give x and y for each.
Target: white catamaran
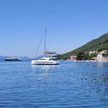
(49, 58)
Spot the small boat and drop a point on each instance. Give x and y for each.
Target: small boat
(49, 58)
(45, 60)
(12, 59)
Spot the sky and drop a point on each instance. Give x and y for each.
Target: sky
(70, 24)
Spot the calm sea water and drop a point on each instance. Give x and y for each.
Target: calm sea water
(70, 85)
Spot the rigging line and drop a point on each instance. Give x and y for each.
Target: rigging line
(38, 46)
(45, 40)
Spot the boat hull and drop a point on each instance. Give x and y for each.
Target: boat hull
(12, 60)
(37, 62)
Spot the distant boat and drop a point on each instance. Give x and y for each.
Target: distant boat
(45, 60)
(12, 59)
(49, 58)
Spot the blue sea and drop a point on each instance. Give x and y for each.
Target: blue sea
(68, 85)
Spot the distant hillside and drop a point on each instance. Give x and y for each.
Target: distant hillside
(99, 44)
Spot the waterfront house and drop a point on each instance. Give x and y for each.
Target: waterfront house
(102, 56)
(73, 57)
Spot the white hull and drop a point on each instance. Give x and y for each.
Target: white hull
(44, 62)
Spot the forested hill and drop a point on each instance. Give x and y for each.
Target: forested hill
(99, 44)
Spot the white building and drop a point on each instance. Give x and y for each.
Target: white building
(102, 56)
(73, 57)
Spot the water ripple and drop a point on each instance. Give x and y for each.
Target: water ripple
(70, 85)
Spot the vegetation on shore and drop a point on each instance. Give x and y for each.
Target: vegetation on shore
(82, 52)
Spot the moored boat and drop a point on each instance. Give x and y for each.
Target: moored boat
(12, 59)
(45, 60)
(49, 58)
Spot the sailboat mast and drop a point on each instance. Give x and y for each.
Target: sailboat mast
(45, 40)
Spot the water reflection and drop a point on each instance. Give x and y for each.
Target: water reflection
(102, 64)
(44, 71)
(45, 67)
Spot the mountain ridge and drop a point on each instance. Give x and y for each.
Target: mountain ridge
(99, 44)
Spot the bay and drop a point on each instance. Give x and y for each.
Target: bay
(68, 85)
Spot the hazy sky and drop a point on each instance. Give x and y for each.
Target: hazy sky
(70, 24)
